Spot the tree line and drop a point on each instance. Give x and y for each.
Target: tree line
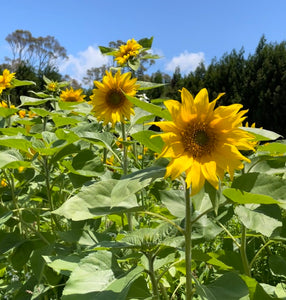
(258, 81)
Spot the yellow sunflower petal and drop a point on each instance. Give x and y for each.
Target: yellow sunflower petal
(178, 166)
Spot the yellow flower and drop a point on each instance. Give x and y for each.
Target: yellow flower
(3, 183)
(52, 86)
(21, 169)
(31, 114)
(22, 113)
(127, 51)
(202, 141)
(109, 101)
(71, 95)
(3, 104)
(5, 80)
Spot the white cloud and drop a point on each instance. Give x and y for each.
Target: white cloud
(186, 61)
(76, 66)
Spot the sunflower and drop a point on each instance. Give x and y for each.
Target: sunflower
(52, 86)
(71, 95)
(202, 141)
(5, 80)
(127, 51)
(109, 101)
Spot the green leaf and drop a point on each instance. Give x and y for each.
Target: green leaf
(64, 120)
(5, 217)
(130, 184)
(151, 108)
(134, 63)
(146, 85)
(263, 184)
(146, 42)
(106, 50)
(21, 255)
(12, 131)
(242, 197)
(95, 201)
(16, 82)
(6, 112)
(98, 277)
(262, 134)
(174, 200)
(256, 292)
(40, 111)
(25, 100)
(277, 265)
(85, 163)
(40, 94)
(139, 289)
(63, 264)
(149, 139)
(273, 148)
(257, 221)
(11, 159)
(9, 240)
(228, 286)
(205, 229)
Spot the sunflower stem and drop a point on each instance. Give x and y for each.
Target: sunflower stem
(188, 245)
(243, 252)
(125, 160)
(125, 169)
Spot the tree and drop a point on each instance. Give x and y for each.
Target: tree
(94, 74)
(40, 53)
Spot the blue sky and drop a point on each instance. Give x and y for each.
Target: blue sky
(185, 31)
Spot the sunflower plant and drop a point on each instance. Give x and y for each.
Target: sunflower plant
(131, 53)
(118, 196)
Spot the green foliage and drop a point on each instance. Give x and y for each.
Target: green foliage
(87, 213)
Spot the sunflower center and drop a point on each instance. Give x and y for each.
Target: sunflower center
(115, 98)
(71, 99)
(198, 139)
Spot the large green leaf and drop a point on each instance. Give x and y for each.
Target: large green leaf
(262, 184)
(130, 184)
(256, 292)
(174, 200)
(277, 265)
(97, 277)
(85, 163)
(262, 134)
(63, 264)
(6, 112)
(243, 197)
(146, 85)
(25, 100)
(228, 286)
(16, 142)
(257, 221)
(64, 120)
(12, 159)
(16, 82)
(151, 108)
(273, 148)
(149, 139)
(95, 200)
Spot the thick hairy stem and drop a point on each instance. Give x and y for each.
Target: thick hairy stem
(188, 245)
(243, 252)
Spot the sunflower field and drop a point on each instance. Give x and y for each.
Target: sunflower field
(117, 196)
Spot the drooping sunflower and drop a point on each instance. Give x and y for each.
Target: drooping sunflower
(127, 51)
(5, 80)
(108, 99)
(71, 95)
(202, 141)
